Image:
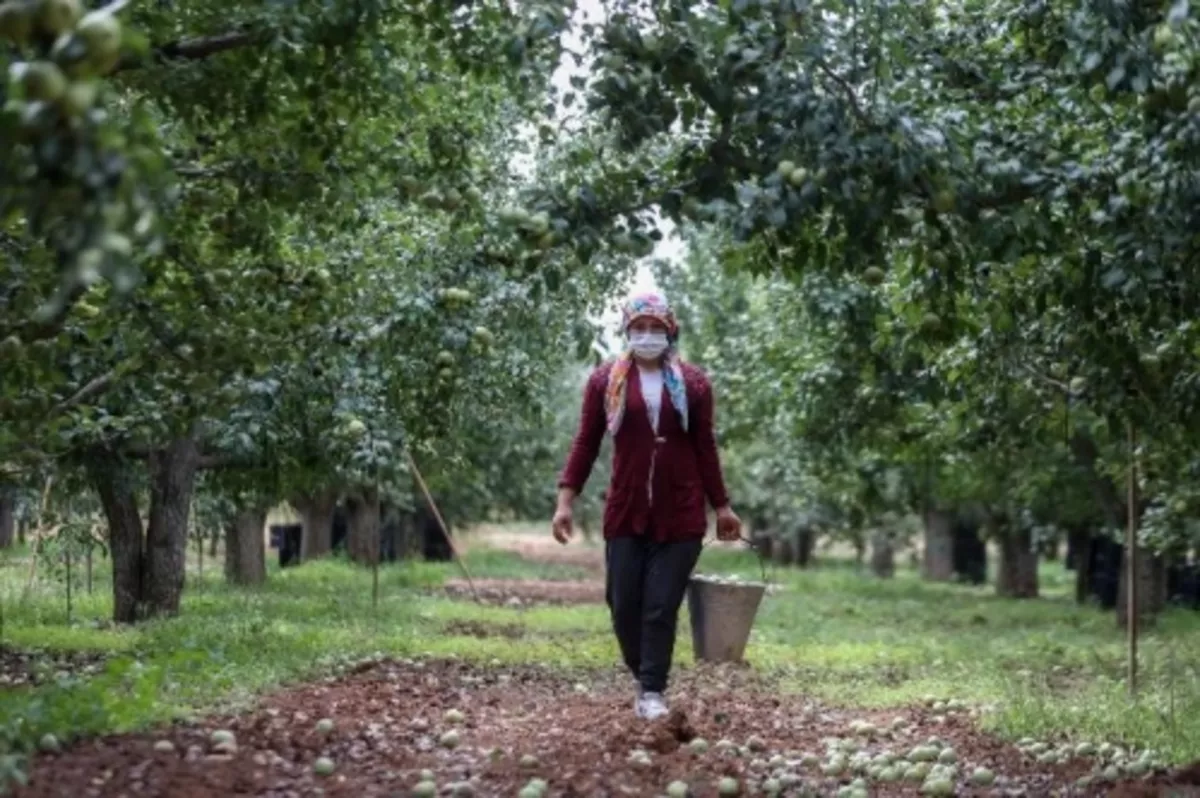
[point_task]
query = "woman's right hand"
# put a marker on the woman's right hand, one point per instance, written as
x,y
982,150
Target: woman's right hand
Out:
x,y
562,524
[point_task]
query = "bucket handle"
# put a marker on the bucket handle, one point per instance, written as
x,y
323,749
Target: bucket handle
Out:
x,y
762,560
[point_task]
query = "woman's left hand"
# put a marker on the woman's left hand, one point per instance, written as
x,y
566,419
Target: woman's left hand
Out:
x,y
729,526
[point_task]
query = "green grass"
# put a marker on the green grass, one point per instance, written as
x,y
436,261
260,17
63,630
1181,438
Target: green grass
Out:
x,y
1052,669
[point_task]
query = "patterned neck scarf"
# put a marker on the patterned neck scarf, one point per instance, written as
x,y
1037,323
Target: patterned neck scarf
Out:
x,y
646,306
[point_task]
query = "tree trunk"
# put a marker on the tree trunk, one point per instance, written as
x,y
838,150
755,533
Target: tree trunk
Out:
x,y
214,539
883,555
7,517
316,517
1081,560
1017,574
172,483
1151,596
114,482
859,541
785,549
938,562
245,551
362,526
434,546
969,552
806,541
1078,537
22,531
408,540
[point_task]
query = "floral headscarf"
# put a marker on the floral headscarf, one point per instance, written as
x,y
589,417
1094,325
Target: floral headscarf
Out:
x,y
654,306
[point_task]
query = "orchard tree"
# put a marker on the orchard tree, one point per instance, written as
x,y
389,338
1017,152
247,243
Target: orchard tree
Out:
x,y
250,268
950,172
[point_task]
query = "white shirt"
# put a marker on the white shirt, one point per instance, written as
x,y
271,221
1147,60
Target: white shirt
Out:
x,y
652,392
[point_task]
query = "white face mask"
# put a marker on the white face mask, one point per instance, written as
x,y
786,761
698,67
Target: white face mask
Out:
x,y
648,345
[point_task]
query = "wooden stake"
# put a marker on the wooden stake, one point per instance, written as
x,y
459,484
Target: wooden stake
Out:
x,y
67,557
39,531
441,523
1131,569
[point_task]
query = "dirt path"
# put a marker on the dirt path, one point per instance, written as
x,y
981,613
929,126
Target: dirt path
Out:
x,y
389,721
519,592
542,548
539,549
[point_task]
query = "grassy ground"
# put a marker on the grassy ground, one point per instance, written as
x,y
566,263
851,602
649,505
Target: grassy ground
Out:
x,y
1052,669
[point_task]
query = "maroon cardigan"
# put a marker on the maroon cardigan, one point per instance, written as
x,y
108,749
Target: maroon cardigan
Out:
x,y
686,471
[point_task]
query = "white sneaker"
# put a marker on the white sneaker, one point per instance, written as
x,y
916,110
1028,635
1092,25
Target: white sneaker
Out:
x,y
651,706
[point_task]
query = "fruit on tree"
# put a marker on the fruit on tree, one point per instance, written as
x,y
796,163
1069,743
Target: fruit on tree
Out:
x,y
16,21
101,32
1078,385
513,216
786,168
43,80
1164,36
57,16
873,275
456,296
728,786
78,99
931,323
356,428
11,347
798,176
943,201
446,358
484,336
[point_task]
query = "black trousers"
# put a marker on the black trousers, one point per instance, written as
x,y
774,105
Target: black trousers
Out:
x,y
644,587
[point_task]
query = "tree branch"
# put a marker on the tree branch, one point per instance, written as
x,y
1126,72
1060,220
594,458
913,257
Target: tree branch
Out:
x,y
90,389
196,49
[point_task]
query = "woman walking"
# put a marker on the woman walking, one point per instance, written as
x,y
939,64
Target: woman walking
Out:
x,y
659,411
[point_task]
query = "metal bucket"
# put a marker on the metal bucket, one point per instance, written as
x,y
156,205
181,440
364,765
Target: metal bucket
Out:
x,y
721,614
